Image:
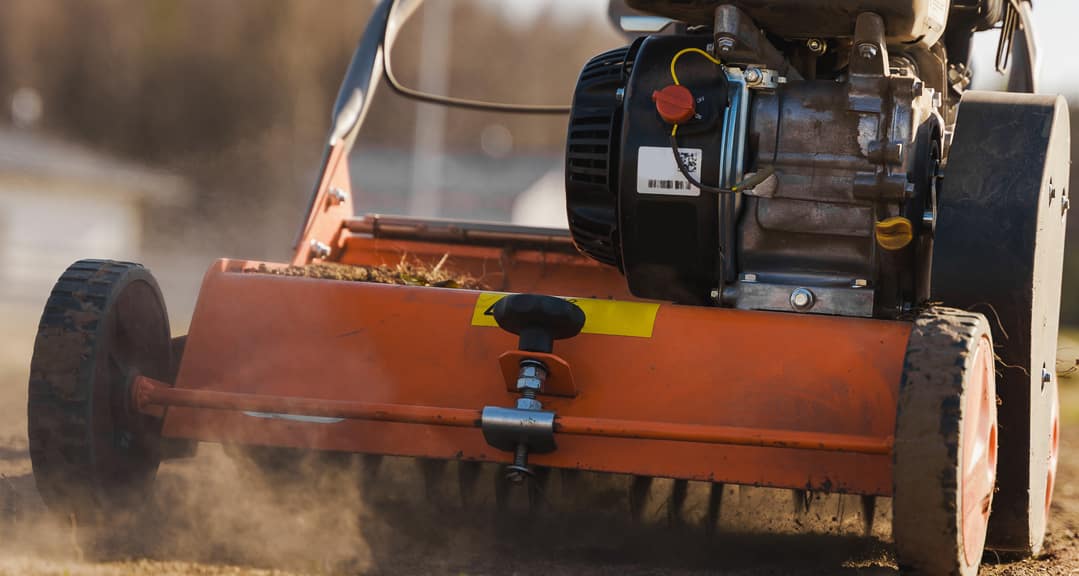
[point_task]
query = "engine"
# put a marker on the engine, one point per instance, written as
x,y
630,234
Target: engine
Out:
x,y
768,163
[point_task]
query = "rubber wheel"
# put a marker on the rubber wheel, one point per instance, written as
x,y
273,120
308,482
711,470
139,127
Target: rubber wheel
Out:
x,y
92,457
998,250
945,445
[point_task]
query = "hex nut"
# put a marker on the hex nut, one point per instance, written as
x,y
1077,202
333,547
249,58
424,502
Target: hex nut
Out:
x,y
529,404
802,299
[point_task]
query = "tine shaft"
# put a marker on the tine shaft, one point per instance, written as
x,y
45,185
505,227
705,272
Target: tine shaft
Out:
x,y
869,508
715,504
502,487
537,490
433,473
678,499
371,465
638,496
467,475
569,485
840,511
801,499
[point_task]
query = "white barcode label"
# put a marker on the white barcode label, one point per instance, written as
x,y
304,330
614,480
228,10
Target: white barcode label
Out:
x,y
658,173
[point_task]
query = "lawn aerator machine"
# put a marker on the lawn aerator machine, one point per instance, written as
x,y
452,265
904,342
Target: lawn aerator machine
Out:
x,y
801,254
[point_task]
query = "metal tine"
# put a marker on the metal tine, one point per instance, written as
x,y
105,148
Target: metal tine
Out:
x,y
840,511
715,506
371,465
801,500
869,509
638,496
467,475
537,491
569,486
434,485
677,502
502,488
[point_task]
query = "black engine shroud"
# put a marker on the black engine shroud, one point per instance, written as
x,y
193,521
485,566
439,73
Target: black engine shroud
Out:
x,y
652,224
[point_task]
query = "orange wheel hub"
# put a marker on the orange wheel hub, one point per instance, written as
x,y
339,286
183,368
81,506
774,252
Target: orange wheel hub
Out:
x,y
1054,448
979,452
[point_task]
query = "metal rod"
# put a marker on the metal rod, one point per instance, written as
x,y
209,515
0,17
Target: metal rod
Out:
x,y
480,233
149,393
645,430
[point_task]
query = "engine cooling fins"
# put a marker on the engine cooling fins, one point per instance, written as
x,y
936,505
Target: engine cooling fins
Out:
x,y
592,154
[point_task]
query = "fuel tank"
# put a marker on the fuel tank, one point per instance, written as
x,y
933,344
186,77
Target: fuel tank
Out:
x,y
905,21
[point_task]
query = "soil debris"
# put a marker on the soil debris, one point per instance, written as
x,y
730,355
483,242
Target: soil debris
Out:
x,y
404,273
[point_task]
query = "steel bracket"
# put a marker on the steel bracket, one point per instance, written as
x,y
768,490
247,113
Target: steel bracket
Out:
x,y
506,428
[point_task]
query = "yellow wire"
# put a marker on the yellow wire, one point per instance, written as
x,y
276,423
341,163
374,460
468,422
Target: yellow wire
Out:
x,y
674,76
679,54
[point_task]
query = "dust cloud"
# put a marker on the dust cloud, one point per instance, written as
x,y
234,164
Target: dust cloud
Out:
x,y
333,514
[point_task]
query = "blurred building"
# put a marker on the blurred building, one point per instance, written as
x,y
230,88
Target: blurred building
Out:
x,y
60,202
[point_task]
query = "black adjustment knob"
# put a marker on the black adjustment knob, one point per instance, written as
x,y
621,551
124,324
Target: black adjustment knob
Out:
x,y
538,320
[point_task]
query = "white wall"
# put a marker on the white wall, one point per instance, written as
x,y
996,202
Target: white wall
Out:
x,y
43,230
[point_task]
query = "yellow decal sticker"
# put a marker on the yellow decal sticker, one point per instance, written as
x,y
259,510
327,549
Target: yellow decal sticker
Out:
x,y
610,317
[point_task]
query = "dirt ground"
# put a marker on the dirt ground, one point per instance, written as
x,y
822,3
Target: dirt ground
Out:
x,y
213,515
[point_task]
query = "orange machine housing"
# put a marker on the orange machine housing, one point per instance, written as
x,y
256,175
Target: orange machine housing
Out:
x,y
755,398
759,398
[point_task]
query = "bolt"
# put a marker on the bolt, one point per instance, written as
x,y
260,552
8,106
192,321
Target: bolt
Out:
x,y
335,196
319,250
816,46
753,75
725,44
802,299
714,294
868,50
1047,376
517,471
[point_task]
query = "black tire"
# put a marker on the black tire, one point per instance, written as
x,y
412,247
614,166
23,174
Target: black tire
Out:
x,y
92,456
948,365
998,249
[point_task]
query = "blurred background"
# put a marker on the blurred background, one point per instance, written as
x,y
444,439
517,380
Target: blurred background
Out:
x,y
174,132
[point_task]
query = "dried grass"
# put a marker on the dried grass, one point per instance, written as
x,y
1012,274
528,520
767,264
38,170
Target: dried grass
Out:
x,y
404,273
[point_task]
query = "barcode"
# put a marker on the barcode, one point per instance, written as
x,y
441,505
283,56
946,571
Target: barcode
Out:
x,y
668,184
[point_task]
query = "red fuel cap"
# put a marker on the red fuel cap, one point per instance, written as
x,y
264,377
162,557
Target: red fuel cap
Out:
x,y
675,104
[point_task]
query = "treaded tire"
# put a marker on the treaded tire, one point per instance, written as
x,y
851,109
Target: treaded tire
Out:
x,y
948,370
94,458
998,249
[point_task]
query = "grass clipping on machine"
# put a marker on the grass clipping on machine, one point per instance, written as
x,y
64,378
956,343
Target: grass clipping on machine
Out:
x,y
404,273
